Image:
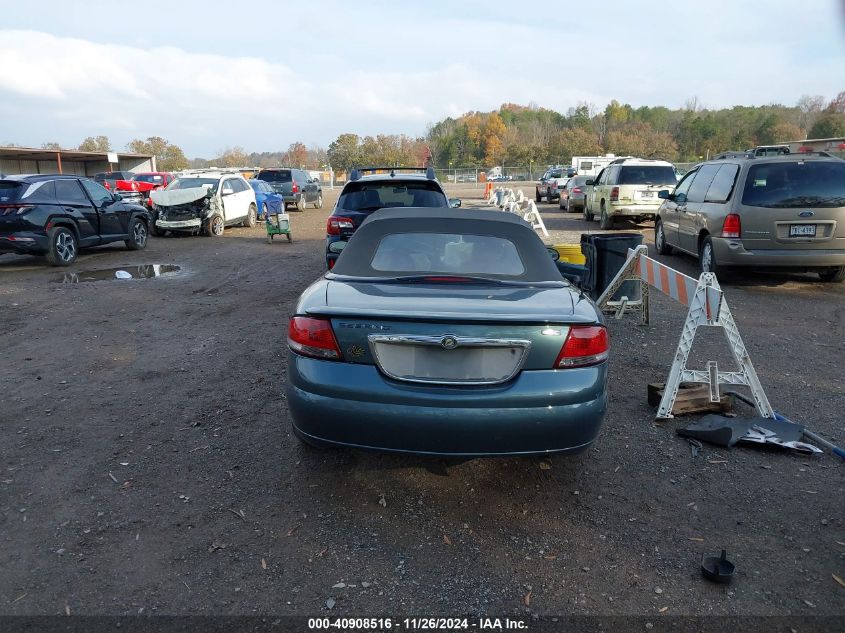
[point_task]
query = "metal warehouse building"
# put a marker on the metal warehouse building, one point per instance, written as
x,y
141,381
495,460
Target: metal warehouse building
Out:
x,y
28,160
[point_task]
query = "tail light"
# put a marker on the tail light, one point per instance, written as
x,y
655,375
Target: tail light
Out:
x,y
584,345
15,209
313,337
576,190
732,226
614,194
331,263
337,224
106,184
294,187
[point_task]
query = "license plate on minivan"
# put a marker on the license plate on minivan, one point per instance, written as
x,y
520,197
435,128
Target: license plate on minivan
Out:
x,y
802,230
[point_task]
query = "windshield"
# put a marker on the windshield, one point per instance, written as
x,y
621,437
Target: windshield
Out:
x,y
153,178
191,183
796,184
647,175
427,253
382,195
276,175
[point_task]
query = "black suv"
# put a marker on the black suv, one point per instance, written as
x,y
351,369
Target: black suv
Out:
x,y
295,186
57,215
368,190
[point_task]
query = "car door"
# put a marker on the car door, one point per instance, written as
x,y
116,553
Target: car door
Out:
x,y
230,201
669,211
689,216
71,196
246,197
592,207
113,213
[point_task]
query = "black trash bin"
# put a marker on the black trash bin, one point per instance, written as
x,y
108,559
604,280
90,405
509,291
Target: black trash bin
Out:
x,y
606,254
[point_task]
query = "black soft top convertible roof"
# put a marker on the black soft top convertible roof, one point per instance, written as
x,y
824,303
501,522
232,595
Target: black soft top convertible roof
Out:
x,y
355,260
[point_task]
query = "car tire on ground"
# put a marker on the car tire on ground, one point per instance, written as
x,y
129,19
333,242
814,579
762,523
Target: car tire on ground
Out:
x,y
706,259
560,204
537,196
157,231
605,221
660,239
249,221
588,217
300,204
215,226
835,275
138,235
319,203
63,246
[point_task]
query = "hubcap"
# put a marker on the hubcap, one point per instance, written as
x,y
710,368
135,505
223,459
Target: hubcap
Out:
x,y
65,246
707,259
659,238
217,226
139,233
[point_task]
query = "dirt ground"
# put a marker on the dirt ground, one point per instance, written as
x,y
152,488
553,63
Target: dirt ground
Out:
x,y
148,464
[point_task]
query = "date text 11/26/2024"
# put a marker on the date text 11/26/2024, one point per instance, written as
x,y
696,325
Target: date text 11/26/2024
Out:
x,y
416,624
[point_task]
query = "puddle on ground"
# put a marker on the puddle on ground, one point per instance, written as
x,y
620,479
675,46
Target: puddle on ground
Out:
x,y
145,271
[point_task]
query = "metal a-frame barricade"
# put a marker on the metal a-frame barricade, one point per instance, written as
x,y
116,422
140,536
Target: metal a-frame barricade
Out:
x,y
707,307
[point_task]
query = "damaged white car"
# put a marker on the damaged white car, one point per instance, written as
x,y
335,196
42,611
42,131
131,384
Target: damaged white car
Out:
x,y
205,202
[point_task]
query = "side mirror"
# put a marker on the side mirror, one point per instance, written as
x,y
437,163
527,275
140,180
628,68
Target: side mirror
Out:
x,y
590,183
228,191
454,202
664,194
553,253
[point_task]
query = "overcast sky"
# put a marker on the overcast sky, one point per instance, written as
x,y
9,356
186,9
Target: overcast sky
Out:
x,y
261,75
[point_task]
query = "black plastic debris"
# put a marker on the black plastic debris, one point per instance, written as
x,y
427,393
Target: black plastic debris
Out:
x,y
717,568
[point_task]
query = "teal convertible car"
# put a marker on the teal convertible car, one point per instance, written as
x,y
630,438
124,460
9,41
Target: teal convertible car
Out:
x,y
447,332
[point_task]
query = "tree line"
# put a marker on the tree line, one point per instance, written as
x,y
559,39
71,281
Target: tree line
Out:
x,y
521,135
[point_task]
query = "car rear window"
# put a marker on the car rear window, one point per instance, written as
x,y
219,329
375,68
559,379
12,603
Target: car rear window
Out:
x,y
35,192
647,175
794,184
362,196
427,253
275,175
153,178
578,181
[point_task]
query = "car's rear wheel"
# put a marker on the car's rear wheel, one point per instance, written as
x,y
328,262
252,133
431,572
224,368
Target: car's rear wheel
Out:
x,y
250,220
660,239
588,217
707,259
835,275
300,204
319,203
215,226
137,235
63,246
537,196
605,221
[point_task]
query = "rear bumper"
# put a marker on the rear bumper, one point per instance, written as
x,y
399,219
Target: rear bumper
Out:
x,y
732,252
354,405
24,243
633,210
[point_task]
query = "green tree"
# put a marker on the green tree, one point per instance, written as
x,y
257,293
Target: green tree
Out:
x,y
51,145
828,125
95,144
169,157
344,152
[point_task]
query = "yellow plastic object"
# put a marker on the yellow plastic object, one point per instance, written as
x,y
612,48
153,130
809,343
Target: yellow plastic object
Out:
x,y
570,253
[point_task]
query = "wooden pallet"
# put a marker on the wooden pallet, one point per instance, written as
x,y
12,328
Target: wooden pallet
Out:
x,y
692,398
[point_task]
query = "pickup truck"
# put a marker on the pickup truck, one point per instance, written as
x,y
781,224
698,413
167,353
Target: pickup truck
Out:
x,y
138,187
551,184
55,216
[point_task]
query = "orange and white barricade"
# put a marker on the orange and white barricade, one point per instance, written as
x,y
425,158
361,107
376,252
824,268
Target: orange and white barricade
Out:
x,y
707,307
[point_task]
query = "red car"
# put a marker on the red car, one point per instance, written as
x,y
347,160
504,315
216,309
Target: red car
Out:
x,y
138,188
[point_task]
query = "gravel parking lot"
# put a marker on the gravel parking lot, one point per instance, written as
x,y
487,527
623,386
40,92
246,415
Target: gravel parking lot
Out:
x,y
148,464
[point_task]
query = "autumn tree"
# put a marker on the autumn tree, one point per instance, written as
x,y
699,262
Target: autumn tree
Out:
x,y
169,157
297,154
828,125
233,157
95,144
344,153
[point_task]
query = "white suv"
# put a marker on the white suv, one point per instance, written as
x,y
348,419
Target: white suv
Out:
x,y
628,187
204,202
